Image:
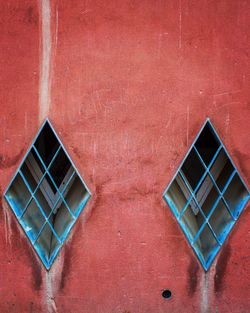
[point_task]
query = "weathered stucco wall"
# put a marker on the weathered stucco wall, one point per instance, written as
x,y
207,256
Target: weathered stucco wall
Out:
x,y
127,85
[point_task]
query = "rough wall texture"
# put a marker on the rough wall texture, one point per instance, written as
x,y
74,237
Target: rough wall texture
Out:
x,y
127,85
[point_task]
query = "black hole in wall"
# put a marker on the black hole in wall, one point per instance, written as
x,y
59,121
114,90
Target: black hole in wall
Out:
x,y
166,294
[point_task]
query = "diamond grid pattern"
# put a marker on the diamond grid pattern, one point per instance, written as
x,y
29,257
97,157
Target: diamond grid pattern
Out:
x,y
207,195
47,194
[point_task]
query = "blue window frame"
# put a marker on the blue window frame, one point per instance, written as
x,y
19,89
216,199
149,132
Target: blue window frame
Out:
x,y
47,194
207,195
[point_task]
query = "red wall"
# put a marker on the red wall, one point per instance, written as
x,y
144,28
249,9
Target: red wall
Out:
x,y
130,84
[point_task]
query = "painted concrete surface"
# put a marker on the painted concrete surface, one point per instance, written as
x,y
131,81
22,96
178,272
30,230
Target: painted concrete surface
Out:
x,y
127,86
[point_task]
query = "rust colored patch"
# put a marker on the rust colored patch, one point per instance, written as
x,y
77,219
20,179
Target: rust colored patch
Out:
x,y
27,250
68,247
193,270
77,152
147,161
221,267
6,162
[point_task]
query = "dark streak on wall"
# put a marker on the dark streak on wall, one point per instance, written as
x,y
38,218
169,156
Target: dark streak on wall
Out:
x,y
30,253
193,271
31,16
66,265
221,267
68,252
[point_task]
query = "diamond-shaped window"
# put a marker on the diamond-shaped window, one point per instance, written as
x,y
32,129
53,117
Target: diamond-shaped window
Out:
x,y
47,194
207,195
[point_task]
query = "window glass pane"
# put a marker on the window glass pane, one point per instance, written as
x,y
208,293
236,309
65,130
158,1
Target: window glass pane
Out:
x,y
236,196
47,144
46,196
207,144
207,195
61,220
18,194
193,169
32,220
29,177
222,169
221,221
206,245
43,243
178,194
75,194
60,168
192,222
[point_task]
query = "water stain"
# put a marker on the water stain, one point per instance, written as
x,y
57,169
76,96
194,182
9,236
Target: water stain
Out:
x,y
31,16
7,162
68,252
193,270
97,201
27,250
221,267
36,272
66,265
